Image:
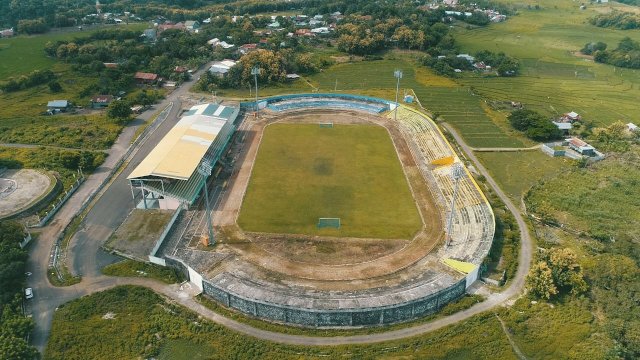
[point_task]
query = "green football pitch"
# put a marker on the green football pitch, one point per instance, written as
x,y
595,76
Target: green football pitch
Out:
x,y
304,172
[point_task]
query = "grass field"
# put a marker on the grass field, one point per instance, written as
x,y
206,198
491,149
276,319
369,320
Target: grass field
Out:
x,y
304,172
516,172
22,54
139,324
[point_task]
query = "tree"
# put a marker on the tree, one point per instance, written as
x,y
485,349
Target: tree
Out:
x,y
540,281
54,86
533,125
119,111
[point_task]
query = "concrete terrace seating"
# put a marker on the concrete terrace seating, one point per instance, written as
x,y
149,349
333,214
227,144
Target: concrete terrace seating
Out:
x,y
293,104
421,131
473,223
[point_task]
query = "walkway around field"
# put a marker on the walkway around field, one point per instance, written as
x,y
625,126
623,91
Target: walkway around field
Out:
x,y
490,149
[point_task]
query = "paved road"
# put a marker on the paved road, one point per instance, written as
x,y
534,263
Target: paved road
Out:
x,y
85,256
490,149
109,210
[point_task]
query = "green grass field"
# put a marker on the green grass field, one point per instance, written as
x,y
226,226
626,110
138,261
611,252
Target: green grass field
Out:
x,y
516,172
304,172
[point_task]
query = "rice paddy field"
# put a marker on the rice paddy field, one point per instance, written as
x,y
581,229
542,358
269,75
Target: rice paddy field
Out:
x,y
555,78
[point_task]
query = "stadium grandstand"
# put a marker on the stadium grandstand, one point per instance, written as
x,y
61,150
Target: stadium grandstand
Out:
x,y
168,177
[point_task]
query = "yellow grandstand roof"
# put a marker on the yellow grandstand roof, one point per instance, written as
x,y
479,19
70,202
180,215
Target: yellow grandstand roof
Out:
x,y
178,154
462,266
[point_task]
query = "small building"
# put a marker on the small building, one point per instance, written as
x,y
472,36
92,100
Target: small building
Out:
x,y
101,101
247,48
467,57
572,116
565,127
7,33
292,77
180,69
632,127
192,25
143,78
58,105
274,25
171,26
150,34
581,147
321,30
221,68
111,65
304,32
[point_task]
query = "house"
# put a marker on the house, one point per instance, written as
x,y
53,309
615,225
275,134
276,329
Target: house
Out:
x,y
171,26
54,106
150,34
111,65
7,33
247,48
304,32
221,68
480,65
316,23
563,126
320,30
292,77
180,69
101,101
274,25
581,147
632,127
192,25
263,44
143,78
467,57
572,116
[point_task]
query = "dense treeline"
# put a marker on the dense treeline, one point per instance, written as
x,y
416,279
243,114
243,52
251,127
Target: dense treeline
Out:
x,y
534,125
446,62
14,326
616,20
88,56
626,55
35,78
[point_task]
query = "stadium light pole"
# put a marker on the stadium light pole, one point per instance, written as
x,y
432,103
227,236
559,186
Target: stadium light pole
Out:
x,y
205,170
456,174
398,75
255,71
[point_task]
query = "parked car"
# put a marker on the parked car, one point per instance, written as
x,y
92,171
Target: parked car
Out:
x,y
28,293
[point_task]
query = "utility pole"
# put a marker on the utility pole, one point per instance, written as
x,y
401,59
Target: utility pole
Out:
x,y
205,170
255,71
456,174
398,75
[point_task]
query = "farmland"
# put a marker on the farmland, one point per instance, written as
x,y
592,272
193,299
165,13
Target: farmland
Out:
x,y
348,171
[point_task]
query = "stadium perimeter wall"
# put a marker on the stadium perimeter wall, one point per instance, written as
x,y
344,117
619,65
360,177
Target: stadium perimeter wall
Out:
x,y
338,317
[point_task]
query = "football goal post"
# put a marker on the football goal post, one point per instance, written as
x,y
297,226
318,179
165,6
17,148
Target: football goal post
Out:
x,y
326,124
328,223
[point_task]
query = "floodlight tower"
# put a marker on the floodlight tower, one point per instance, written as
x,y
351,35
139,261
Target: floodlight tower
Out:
x,y
255,71
456,174
205,170
398,75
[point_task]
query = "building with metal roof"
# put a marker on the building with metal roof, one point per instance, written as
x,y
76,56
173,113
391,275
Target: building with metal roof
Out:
x,y
169,174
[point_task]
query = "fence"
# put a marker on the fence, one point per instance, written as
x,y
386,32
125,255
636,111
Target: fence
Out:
x,y
43,221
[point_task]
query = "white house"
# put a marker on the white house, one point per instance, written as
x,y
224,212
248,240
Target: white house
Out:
x,y
632,127
221,68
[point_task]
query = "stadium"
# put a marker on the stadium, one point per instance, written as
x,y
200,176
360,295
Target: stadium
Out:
x,y
328,210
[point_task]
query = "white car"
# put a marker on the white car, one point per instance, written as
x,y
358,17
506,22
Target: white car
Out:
x,y
28,293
